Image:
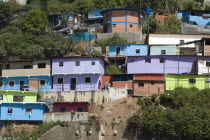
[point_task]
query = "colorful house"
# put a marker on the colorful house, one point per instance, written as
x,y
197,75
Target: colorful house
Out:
x,y
187,81
93,14
128,50
148,84
7,96
202,67
162,64
70,107
22,111
16,75
120,20
195,17
163,50
77,73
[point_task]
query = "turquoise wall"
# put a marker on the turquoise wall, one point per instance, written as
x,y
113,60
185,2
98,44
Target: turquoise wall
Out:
x,y
156,49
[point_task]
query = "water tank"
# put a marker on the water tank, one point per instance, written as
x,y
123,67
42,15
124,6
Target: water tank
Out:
x,y
148,11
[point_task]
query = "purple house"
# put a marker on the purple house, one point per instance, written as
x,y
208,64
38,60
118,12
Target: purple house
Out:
x,y
162,64
77,73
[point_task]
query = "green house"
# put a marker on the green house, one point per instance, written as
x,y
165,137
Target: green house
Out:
x,y
9,96
187,81
163,50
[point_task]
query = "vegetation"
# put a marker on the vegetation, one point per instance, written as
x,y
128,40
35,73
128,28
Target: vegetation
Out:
x,y
183,114
115,39
112,69
35,134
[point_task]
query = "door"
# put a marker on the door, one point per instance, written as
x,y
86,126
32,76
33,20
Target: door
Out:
x,y
73,83
22,85
118,51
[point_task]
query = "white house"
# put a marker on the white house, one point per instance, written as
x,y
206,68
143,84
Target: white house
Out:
x,y
202,67
174,39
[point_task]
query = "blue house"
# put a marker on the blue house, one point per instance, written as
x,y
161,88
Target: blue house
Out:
x,y
82,36
93,14
195,17
22,111
27,75
128,50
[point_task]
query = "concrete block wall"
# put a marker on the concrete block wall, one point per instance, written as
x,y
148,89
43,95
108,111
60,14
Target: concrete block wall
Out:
x,y
96,97
68,116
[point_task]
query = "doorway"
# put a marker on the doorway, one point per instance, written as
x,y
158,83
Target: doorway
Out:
x,y
73,84
22,85
118,51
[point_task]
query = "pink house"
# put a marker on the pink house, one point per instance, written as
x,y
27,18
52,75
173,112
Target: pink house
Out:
x,y
70,107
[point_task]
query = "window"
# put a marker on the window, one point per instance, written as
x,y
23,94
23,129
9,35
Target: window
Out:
x,y
18,98
192,13
77,63
162,60
60,80
62,109
28,109
131,25
93,63
7,66
163,52
113,25
152,82
181,41
1,97
192,81
107,15
147,60
141,84
60,64
11,83
42,82
132,60
41,65
87,80
1,84
27,67
207,64
80,109
9,110
137,50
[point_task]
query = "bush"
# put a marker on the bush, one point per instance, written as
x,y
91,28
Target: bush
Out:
x,y
153,97
141,103
147,101
112,69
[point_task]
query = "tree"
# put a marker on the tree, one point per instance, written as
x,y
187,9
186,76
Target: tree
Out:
x,y
5,15
112,69
34,22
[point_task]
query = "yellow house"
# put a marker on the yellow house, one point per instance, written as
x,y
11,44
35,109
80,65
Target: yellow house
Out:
x,y
187,81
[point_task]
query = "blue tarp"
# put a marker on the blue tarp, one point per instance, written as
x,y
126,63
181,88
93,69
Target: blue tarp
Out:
x,y
82,36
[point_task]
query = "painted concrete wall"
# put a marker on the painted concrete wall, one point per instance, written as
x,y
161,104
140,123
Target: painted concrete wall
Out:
x,y
42,88
17,69
8,96
200,20
129,50
172,65
202,68
70,107
173,39
169,49
80,82
173,81
19,111
97,97
85,66
70,116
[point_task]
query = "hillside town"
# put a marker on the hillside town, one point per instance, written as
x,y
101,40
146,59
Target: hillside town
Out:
x,y
92,73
